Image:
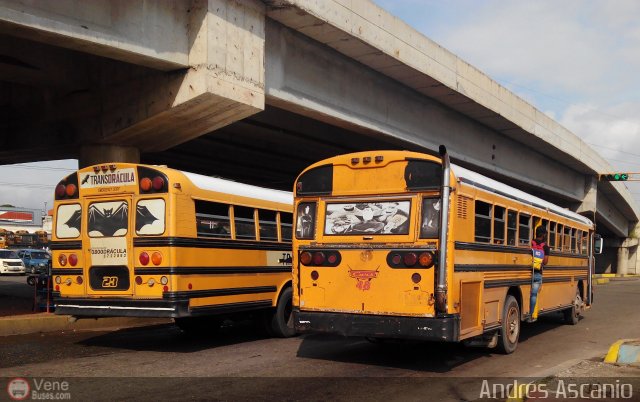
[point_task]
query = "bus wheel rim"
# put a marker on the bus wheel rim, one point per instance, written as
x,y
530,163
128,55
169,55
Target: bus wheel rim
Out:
x,y
513,325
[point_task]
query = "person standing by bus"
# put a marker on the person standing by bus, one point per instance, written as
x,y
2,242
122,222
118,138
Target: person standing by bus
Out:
x,y
540,251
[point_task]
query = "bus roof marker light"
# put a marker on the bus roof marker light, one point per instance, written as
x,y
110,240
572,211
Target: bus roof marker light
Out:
x,y
145,184
104,168
112,167
61,190
366,159
71,190
158,183
355,161
96,169
379,158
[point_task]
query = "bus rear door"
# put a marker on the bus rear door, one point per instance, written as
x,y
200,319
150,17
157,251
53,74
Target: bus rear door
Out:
x,y
107,246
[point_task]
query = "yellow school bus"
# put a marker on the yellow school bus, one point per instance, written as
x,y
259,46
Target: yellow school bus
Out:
x,y
396,244
149,241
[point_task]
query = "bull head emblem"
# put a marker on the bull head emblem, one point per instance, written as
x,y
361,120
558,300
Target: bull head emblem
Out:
x,y
363,277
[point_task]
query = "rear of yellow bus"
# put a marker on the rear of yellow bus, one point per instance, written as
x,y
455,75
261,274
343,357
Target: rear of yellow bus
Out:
x,y
366,247
97,213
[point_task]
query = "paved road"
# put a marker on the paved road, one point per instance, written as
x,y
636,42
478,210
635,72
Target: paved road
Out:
x,y
242,363
16,296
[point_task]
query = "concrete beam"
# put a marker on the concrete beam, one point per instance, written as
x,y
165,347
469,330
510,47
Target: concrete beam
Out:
x,y
100,153
611,218
224,84
148,33
360,99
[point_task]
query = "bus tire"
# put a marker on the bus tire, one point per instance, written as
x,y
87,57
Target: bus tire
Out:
x,y
572,314
281,323
510,329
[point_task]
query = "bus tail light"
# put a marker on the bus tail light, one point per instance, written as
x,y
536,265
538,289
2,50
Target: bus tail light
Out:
x,y
164,280
73,260
58,280
138,280
318,258
416,278
61,190
305,258
165,288
426,259
410,259
144,258
57,288
156,258
151,282
315,275
62,260
79,280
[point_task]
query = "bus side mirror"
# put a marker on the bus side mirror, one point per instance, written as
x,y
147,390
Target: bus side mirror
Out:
x,y
598,244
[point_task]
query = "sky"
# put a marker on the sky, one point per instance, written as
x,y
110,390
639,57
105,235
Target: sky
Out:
x,y
576,60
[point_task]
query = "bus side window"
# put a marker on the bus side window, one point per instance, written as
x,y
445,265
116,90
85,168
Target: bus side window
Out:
x,y
574,243
552,236
559,238
483,222
584,241
498,225
286,226
566,243
212,219
268,227
524,238
245,222
512,227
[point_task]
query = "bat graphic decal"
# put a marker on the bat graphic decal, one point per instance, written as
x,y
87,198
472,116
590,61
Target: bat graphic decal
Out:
x,y
86,179
75,220
108,222
143,217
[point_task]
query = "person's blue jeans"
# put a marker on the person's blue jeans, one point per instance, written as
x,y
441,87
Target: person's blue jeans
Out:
x,y
535,288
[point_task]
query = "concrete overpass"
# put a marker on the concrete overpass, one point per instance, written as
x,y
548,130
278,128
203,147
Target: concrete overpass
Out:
x,y
228,87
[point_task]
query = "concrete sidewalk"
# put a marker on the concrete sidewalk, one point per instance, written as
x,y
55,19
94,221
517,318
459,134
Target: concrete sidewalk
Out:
x,y
601,279
48,322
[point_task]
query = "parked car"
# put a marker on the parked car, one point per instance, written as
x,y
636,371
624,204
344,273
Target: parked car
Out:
x,y
35,261
10,263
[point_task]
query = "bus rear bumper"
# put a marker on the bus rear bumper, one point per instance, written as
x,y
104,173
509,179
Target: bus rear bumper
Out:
x,y
445,329
113,307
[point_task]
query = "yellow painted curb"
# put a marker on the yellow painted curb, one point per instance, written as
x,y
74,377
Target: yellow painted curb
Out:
x,y
612,354
601,281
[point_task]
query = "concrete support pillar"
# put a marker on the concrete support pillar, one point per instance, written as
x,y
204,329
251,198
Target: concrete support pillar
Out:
x,y
97,154
623,257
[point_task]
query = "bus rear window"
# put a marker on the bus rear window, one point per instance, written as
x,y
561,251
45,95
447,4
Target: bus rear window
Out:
x,y
389,217
68,221
108,219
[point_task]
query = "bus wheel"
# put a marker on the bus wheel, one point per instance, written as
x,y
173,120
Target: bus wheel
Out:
x,y
510,330
281,322
193,325
572,315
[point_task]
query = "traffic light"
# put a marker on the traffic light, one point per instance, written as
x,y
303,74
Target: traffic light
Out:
x,y
615,177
